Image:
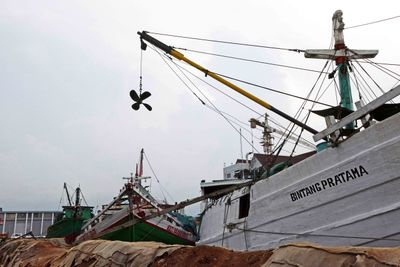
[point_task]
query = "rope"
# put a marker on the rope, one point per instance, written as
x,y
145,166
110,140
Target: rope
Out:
x,y
248,60
158,181
372,22
219,112
222,92
318,235
229,42
383,69
141,71
272,90
226,210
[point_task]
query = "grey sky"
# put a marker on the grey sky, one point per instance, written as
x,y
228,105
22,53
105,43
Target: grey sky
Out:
x,y
67,68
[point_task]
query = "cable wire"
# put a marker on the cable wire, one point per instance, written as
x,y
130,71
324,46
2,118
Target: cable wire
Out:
x,y
229,42
158,181
372,22
247,60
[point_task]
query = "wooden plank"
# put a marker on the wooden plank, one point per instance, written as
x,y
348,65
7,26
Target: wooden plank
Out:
x,y
332,54
359,113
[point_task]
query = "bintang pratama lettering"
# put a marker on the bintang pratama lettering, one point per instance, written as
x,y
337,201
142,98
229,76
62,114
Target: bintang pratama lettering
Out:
x,y
324,184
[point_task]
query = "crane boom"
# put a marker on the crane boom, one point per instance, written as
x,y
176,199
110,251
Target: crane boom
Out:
x,y
68,197
171,51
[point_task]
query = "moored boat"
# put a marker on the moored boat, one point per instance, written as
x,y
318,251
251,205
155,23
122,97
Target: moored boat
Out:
x,y
68,224
125,218
346,194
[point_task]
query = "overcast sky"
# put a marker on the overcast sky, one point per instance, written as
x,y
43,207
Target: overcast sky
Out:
x,y
66,69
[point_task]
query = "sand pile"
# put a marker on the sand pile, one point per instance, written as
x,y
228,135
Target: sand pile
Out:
x,y
54,252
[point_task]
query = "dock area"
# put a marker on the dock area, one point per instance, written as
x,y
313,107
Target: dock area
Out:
x,y
55,252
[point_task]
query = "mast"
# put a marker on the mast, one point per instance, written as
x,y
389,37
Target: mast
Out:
x,y
169,50
141,163
342,55
342,62
77,197
68,197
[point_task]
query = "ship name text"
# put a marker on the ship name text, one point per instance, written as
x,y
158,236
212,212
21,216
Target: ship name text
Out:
x,y
338,179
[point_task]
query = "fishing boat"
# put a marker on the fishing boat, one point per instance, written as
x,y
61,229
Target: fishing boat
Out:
x,y
345,194
124,218
68,224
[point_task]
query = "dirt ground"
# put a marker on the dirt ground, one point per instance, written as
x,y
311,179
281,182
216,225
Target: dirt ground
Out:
x,y
102,253
202,256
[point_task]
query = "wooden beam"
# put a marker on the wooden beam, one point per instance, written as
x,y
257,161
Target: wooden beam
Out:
x,y
359,113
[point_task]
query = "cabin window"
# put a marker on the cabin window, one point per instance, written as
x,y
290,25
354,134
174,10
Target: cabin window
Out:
x,y
228,175
244,206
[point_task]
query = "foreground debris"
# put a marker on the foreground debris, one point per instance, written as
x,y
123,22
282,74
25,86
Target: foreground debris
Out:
x,y
55,252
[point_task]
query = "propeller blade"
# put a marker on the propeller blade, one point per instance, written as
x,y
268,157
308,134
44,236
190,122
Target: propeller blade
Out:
x,y
145,95
134,96
136,106
149,108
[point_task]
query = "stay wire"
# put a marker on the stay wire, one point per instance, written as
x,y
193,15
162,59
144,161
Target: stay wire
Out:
x,y
247,106
356,83
382,91
365,88
84,199
219,90
316,235
384,69
270,89
297,115
229,42
219,112
247,60
381,63
158,181
260,115
372,22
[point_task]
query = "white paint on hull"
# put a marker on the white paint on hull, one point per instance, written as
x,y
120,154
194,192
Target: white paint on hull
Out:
x,y
360,211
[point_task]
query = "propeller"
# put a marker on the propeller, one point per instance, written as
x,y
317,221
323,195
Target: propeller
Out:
x,y
139,99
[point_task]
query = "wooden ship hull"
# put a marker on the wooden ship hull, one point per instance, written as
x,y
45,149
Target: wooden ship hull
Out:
x,y
344,195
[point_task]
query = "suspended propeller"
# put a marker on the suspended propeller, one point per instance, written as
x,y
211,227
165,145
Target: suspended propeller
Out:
x,y
139,99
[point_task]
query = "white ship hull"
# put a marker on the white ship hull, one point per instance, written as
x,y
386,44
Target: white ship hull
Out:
x,y
346,195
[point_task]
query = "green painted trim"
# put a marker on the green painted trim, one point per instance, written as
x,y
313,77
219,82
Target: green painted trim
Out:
x,y
145,232
345,90
64,227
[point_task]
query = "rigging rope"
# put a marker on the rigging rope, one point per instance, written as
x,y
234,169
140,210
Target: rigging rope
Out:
x,y
229,42
318,235
247,60
383,69
372,22
158,181
272,90
209,101
252,145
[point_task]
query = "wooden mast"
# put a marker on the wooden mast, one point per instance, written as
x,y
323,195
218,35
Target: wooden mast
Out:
x,y
342,55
